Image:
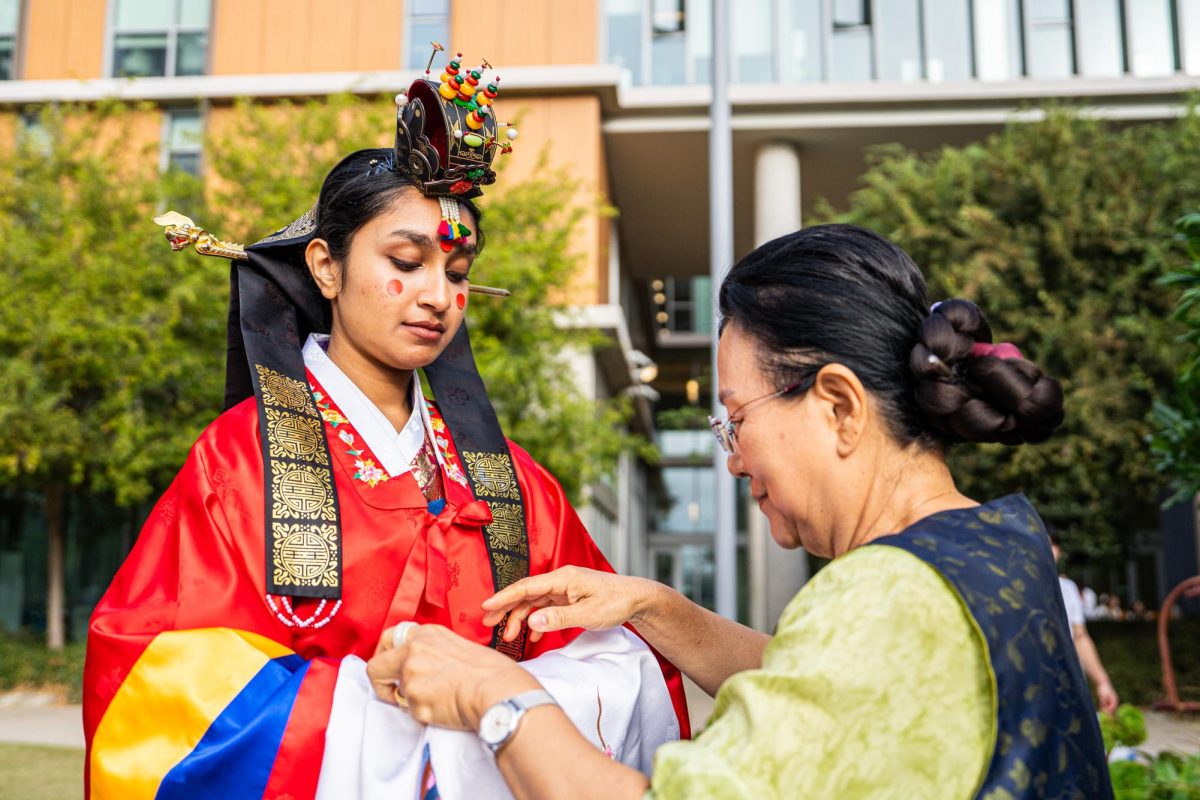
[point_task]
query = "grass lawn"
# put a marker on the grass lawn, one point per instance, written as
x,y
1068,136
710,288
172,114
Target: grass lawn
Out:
x,y
34,772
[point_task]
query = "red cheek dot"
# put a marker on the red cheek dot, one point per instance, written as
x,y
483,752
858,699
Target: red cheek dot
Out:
x,y
395,287
461,300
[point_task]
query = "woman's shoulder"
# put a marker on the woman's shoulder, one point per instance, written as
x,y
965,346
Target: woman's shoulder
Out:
x,y
233,431
880,591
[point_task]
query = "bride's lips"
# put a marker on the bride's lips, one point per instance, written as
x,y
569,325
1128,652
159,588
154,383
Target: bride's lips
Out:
x,y
426,329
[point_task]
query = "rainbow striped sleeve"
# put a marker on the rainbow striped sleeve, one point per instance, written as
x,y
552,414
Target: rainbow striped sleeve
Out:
x,y
213,712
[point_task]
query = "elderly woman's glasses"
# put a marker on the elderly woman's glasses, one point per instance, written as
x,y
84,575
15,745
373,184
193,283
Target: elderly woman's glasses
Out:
x,y
726,429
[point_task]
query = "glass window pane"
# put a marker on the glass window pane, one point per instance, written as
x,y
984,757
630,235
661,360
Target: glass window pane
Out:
x,y
852,54
752,46
6,59
667,16
194,13
625,36
690,493
702,304
186,130
1189,33
191,52
949,42
1152,50
140,55
1048,10
699,39
899,24
141,14
851,12
420,34
9,11
432,7
801,25
997,40
668,59
1099,37
1049,51
185,162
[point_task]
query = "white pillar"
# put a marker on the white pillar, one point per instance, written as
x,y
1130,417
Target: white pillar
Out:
x,y
776,191
775,574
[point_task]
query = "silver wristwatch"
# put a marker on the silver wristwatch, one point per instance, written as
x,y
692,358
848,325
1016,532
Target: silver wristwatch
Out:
x,y
500,722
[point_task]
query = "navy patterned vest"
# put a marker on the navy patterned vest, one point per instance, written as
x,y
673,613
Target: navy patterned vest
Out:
x,y
997,557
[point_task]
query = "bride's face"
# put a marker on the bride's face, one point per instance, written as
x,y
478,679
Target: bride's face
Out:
x,y
398,298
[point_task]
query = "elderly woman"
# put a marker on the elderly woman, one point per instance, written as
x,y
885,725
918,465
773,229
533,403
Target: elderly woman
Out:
x,y
930,659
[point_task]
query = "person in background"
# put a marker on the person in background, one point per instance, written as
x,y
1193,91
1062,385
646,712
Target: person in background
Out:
x,y
1089,658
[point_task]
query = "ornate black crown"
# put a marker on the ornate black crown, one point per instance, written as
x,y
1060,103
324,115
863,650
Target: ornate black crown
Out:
x,y
447,132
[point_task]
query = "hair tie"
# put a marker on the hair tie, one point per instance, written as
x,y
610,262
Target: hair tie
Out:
x,y
934,307
1006,350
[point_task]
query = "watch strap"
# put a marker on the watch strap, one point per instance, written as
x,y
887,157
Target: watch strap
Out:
x,y
531,699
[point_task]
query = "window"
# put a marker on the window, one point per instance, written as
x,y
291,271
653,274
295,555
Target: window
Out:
x,y
183,137
1049,52
948,40
668,42
998,40
428,21
800,42
853,59
683,305
1189,33
160,38
1151,37
1099,38
9,15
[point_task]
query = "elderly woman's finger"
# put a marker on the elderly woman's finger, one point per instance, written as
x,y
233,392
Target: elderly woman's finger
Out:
x,y
548,583
384,671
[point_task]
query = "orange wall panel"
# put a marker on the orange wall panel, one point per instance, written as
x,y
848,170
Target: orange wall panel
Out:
x,y
525,32
64,39
281,36
567,130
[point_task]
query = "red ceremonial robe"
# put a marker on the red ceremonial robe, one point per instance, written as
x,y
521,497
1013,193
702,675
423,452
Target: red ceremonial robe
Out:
x,y
194,686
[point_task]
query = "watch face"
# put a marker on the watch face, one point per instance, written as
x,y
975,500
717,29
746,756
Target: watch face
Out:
x,y
496,724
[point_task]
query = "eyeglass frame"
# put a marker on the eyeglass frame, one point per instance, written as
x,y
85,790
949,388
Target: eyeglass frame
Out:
x,y
725,428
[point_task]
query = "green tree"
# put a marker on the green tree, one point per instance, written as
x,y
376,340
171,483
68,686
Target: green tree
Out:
x,y
1060,230
1176,444
111,357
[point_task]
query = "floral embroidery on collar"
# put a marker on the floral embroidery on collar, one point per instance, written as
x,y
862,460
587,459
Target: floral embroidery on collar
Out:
x,y
442,439
368,473
365,468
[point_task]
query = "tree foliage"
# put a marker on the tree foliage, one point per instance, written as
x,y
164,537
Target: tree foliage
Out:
x,y
1060,230
1176,443
112,346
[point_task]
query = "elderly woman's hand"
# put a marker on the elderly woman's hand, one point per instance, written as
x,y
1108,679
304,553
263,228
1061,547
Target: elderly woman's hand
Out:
x,y
445,679
570,597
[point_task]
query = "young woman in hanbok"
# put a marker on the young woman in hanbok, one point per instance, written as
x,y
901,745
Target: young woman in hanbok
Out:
x,y
930,659
331,501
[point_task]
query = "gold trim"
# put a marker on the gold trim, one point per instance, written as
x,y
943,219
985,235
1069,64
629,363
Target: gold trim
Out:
x,y
507,529
304,555
493,474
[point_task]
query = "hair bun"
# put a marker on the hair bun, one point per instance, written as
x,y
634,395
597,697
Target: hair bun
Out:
x,y
979,398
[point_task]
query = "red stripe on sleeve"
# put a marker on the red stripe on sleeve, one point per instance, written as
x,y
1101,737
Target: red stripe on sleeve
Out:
x,y
297,766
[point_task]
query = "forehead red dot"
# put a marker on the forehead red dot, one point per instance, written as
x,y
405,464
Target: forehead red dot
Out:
x,y
461,300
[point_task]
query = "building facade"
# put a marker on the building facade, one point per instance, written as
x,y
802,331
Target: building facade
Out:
x,y
615,91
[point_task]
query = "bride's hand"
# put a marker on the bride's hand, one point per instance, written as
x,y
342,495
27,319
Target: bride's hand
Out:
x,y
570,597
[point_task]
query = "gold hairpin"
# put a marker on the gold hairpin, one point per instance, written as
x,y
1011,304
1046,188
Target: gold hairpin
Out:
x,y
182,232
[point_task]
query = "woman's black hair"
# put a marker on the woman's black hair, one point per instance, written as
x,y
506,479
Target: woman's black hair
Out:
x,y
361,187
844,294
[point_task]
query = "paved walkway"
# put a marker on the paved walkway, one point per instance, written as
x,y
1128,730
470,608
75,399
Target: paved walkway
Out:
x,y
30,719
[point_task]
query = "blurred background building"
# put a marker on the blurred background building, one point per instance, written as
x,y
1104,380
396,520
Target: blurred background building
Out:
x,y
616,91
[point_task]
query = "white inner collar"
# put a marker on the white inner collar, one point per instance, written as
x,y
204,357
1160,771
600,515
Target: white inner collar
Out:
x,y
395,451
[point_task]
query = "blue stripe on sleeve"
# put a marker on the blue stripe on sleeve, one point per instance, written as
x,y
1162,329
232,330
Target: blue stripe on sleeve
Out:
x,y
234,757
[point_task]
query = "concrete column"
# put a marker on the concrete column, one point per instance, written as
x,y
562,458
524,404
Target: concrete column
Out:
x,y
776,191
775,574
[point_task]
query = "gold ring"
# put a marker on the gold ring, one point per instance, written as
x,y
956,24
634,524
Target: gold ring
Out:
x,y
400,699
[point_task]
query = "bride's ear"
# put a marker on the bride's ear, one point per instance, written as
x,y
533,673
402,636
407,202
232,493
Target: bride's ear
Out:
x,y
325,271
